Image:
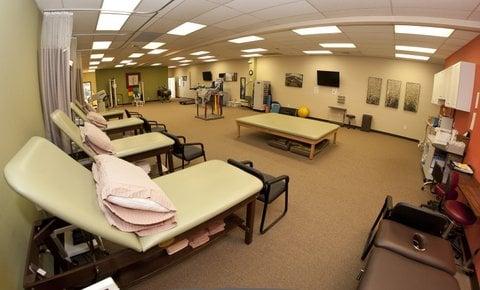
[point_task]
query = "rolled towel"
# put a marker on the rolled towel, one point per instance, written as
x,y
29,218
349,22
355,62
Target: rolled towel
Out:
x,y
177,247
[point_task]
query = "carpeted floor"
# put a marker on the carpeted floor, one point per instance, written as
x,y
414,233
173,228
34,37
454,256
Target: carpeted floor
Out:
x,y
333,201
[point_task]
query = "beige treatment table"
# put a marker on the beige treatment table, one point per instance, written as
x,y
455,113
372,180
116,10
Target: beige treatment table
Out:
x,y
300,129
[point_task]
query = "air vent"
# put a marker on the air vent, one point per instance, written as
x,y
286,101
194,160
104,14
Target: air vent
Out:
x,y
147,36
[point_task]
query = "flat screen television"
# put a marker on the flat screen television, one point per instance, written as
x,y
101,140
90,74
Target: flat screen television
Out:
x,y
207,76
328,78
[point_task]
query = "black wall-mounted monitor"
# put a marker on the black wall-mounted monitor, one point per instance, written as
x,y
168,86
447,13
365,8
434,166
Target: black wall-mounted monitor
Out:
x,y
328,78
207,76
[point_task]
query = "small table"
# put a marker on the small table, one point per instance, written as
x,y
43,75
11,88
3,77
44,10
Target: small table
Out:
x,y
343,110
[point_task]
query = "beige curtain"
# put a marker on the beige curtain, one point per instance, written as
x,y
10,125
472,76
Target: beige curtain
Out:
x,y
55,77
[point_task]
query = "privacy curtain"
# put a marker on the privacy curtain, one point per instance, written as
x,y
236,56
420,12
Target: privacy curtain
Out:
x,y
55,77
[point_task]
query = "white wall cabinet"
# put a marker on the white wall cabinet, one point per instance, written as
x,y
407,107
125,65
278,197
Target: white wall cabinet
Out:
x,y
454,86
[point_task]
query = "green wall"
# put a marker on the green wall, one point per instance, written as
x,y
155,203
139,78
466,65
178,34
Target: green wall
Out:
x,y
21,118
153,78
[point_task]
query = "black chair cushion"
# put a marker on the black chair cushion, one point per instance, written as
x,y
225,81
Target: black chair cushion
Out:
x,y
275,190
190,152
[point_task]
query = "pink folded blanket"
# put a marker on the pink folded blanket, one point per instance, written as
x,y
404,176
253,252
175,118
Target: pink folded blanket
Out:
x,y
97,119
177,247
215,227
198,239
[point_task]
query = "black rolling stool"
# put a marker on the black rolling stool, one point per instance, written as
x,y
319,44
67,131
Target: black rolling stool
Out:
x,y
350,118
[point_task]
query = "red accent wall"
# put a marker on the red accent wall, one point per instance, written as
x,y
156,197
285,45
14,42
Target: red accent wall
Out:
x,y
469,53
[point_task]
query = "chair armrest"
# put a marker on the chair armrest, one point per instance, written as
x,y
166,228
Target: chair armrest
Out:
x,y
156,124
183,138
278,179
137,114
247,162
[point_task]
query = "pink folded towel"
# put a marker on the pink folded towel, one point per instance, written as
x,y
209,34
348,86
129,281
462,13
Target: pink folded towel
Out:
x,y
96,139
177,247
97,120
216,227
198,239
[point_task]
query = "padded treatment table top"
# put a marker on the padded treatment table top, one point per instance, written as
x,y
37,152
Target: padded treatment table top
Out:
x,y
48,177
123,147
387,270
111,125
111,113
305,128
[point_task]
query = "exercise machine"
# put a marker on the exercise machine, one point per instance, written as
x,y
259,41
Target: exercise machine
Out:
x,y
112,90
139,95
213,97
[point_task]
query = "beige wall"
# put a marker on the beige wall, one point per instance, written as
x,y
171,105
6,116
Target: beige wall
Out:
x,y
354,73
90,77
195,73
21,118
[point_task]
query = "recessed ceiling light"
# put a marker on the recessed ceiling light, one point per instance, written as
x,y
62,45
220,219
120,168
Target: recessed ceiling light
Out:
x,y
93,67
111,22
423,30
91,70
317,30
178,58
136,55
131,63
251,55
201,52
157,51
172,66
94,63
186,28
415,49
156,64
185,61
119,65
317,52
125,61
245,39
206,57
183,64
250,50
153,45
107,59
120,5
412,56
211,60
96,56
337,45
101,44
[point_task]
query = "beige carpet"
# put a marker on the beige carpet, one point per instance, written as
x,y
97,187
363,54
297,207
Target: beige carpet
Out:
x,y
333,201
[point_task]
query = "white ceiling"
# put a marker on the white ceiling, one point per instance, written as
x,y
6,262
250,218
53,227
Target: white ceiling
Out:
x,y
367,23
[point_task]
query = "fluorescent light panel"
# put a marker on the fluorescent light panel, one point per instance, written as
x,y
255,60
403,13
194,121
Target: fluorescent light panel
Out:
x,y
423,30
251,50
245,39
412,56
96,56
91,70
184,64
156,64
185,61
119,65
153,45
125,61
337,45
93,67
251,55
201,52
157,51
136,55
415,49
317,30
317,52
206,57
101,44
186,28
172,66
211,60
111,22
107,59
131,63
94,63
178,58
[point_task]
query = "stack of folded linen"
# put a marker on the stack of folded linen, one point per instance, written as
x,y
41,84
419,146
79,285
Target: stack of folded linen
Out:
x,y
96,139
97,120
198,239
216,227
89,107
177,246
129,199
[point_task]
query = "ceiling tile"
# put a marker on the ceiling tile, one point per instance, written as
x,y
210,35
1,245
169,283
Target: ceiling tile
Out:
x,y
84,22
150,5
49,4
291,9
216,15
462,34
163,25
329,5
432,12
94,4
248,6
238,22
134,22
357,12
297,18
468,5
190,9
